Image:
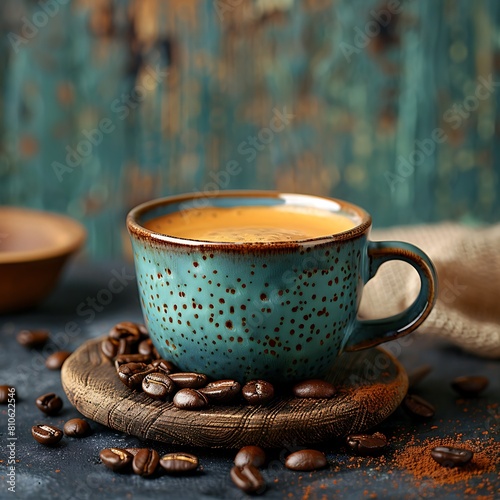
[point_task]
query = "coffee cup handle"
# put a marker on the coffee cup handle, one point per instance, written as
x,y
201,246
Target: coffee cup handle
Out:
x,y
368,333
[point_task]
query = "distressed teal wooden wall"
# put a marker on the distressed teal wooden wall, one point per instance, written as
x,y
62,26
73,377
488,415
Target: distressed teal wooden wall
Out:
x,y
153,97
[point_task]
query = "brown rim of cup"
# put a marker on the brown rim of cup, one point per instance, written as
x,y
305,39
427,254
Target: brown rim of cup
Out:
x,y
139,231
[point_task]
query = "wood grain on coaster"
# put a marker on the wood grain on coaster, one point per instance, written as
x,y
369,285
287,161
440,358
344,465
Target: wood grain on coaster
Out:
x,y
371,385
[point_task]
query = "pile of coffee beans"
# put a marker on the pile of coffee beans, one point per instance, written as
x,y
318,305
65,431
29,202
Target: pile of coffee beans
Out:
x,y
147,462
140,368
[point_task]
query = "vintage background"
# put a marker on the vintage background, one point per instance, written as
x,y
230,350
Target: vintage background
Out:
x,y
107,103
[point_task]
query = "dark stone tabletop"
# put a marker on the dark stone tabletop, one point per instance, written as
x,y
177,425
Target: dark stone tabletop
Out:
x,y
85,306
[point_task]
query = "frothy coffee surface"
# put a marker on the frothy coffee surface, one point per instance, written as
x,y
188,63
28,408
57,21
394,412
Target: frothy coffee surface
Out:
x,y
250,224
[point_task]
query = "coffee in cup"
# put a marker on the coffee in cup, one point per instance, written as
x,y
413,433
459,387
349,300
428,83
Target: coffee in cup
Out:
x,y
257,284
257,224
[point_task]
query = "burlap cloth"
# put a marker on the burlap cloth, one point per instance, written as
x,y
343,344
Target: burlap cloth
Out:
x,y
467,311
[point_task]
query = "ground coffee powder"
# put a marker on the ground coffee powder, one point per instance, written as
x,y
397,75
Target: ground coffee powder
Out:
x,y
415,458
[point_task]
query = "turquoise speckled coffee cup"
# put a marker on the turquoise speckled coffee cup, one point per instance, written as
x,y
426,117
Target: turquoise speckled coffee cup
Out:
x,y
278,311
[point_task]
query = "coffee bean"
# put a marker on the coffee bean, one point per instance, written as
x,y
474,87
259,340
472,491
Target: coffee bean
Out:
x,y
158,385
125,346
221,391
367,444
56,360
305,460
109,348
248,479
123,359
451,457
190,399
46,434
165,366
145,462
189,380
133,451
147,347
112,348
470,386
132,374
254,455
6,393
418,407
126,330
418,375
76,427
116,459
33,339
316,389
179,463
143,331
258,392
49,403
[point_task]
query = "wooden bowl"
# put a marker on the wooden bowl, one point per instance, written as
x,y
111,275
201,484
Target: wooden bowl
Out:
x,y
34,246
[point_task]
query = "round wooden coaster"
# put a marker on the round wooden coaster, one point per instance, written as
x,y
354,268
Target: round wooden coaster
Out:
x,y
371,385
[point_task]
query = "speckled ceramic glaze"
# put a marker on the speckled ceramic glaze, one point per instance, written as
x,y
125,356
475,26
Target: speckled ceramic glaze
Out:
x,y
277,311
